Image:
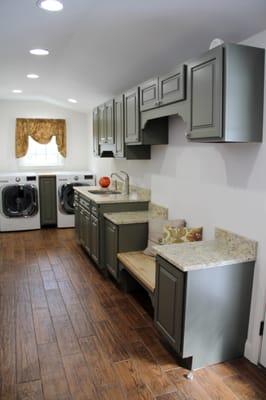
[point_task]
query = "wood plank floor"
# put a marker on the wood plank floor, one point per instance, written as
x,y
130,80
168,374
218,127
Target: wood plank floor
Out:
x,y
68,333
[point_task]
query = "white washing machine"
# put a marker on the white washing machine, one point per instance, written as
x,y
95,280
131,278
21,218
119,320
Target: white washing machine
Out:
x,y
65,182
19,202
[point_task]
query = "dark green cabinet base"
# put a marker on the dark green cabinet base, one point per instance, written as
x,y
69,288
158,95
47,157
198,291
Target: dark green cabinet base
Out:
x,y
48,201
121,239
204,314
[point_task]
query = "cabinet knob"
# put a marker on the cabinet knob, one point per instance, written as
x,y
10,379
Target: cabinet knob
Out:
x,y
188,135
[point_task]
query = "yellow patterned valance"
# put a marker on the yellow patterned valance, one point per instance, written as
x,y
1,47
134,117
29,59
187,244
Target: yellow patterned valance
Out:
x,y
41,130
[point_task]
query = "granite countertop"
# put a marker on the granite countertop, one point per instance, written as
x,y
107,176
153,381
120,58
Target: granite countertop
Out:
x,y
128,217
133,197
227,248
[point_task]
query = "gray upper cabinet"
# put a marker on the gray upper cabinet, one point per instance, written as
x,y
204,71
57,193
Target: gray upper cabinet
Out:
x,y
119,126
149,94
95,132
172,86
132,117
205,90
102,124
109,120
225,95
164,90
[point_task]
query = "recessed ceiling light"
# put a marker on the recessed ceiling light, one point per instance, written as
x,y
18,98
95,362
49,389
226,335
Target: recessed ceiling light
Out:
x,y
39,52
32,76
50,5
17,91
72,100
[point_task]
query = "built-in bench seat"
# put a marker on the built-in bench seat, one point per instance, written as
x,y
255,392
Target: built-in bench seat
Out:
x,y
140,267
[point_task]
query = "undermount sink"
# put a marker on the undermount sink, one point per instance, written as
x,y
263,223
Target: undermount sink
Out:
x,y
104,191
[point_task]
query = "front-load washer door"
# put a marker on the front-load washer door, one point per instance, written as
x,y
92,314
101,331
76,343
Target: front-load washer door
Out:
x,y
19,201
66,197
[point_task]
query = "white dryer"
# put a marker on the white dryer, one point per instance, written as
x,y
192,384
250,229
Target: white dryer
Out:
x,y
65,182
19,202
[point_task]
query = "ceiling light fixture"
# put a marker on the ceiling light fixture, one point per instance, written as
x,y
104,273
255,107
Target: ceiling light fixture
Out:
x,y
50,5
32,76
17,91
39,52
72,100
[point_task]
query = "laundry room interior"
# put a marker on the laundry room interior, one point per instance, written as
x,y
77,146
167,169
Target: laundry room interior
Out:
x,y
132,200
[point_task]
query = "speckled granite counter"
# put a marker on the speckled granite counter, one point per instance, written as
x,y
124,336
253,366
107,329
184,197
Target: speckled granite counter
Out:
x,y
133,197
137,217
227,248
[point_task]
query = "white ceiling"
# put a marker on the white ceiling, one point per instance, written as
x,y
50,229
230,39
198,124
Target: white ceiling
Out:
x,y
101,47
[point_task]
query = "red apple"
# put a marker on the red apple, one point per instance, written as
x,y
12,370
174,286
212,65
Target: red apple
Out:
x,y
104,181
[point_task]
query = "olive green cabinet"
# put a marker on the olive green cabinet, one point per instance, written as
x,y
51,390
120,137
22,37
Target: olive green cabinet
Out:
x,y
119,126
132,116
169,302
172,86
102,124
111,247
94,243
225,95
205,91
96,148
109,120
204,313
122,238
48,200
164,90
149,94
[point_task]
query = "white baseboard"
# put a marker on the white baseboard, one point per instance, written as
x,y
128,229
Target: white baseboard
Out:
x,y
252,351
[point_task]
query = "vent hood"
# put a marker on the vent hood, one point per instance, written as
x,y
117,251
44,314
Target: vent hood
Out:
x,y
107,150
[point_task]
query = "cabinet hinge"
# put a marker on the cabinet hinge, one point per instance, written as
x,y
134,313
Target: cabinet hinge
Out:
x,y
261,328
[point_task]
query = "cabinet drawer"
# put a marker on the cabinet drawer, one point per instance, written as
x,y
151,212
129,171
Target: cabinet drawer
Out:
x,y
172,86
85,204
149,94
94,209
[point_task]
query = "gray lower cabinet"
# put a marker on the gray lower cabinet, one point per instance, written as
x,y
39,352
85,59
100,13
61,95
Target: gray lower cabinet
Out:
x,y
169,302
90,226
48,200
94,238
120,239
204,314
225,95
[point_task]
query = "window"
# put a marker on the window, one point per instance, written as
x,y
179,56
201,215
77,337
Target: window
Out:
x,y
42,155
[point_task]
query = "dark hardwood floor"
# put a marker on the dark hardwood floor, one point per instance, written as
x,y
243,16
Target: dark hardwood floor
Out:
x,y
68,333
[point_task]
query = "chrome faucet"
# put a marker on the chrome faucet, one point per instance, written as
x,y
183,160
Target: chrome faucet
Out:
x,y
124,179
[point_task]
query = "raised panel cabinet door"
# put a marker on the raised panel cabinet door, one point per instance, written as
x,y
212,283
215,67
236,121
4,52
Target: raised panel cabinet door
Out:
x,y
77,221
87,231
111,248
169,302
119,126
94,241
102,124
109,118
95,116
149,94
172,86
132,117
205,95
48,200
82,229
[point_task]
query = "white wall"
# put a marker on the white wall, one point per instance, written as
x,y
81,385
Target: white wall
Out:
x,y
212,185
77,133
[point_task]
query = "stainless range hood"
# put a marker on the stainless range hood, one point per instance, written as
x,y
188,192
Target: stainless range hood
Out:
x,y
107,150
